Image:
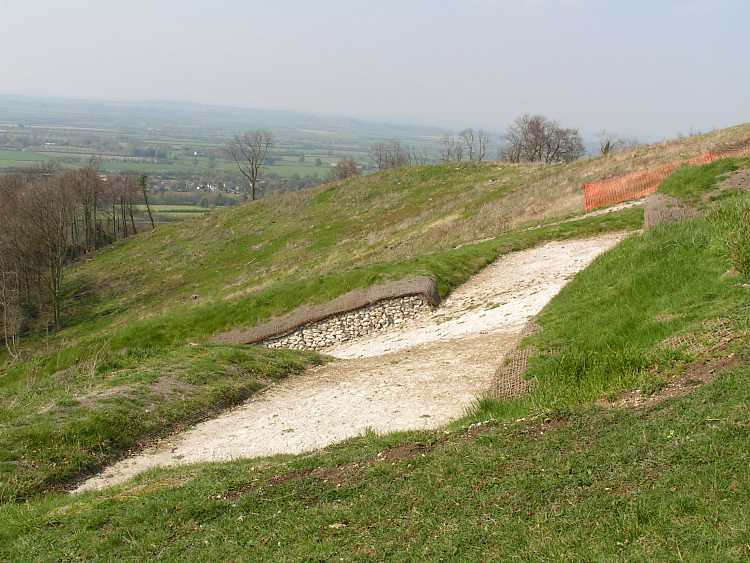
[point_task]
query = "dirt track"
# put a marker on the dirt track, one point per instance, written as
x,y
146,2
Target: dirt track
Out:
x,y
416,376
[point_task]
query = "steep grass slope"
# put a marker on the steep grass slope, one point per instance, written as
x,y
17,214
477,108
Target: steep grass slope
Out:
x,y
550,476
150,303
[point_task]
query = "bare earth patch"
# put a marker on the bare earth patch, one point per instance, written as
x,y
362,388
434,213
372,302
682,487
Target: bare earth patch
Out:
x,y
417,376
697,374
714,359
662,208
737,180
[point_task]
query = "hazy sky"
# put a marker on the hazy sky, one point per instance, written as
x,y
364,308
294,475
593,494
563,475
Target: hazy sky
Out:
x,y
648,68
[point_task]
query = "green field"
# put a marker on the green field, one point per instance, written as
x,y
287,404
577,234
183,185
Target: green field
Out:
x,y
86,126
10,159
177,132
171,210
164,213
167,208
286,167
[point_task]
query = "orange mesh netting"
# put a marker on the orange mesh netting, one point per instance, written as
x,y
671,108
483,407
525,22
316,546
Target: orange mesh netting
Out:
x,y
636,185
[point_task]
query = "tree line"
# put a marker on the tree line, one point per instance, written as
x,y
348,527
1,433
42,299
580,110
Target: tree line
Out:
x,y
530,138
467,145
535,138
394,154
48,218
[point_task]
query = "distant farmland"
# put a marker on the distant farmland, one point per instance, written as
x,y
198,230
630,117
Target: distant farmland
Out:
x,y
284,167
184,140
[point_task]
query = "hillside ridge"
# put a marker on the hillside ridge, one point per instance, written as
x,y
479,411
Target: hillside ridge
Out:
x,y
139,316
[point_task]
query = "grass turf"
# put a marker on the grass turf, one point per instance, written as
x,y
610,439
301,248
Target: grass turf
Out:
x,y
693,184
664,484
72,422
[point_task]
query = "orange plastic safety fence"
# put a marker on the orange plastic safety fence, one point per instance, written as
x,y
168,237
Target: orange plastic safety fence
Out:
x,y
636,185
623,188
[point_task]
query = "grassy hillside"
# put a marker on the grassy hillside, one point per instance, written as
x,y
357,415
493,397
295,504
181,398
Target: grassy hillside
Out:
x,y
152,302
234,255
67,411
631,445
386,218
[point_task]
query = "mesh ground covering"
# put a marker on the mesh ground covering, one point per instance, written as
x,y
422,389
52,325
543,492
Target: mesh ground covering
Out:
x,y
712,333
351,301
510,380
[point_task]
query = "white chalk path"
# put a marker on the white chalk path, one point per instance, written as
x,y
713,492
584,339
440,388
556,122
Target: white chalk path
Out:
x,y
420,375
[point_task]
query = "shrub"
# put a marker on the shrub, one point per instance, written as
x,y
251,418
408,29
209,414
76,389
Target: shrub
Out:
x,y
733,219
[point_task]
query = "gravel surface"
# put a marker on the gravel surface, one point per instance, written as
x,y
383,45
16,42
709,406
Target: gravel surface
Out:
x,y
417,376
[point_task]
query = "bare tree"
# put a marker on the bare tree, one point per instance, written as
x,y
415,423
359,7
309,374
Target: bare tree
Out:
x,y
562,145
467,136
124,193
390,155
46,218
10,309
611,143
448,148
458,151
398,155
483,141
10,283
143,180
345,169
249,151
470,143
513,149
84,186
419,157
378,151
538,139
